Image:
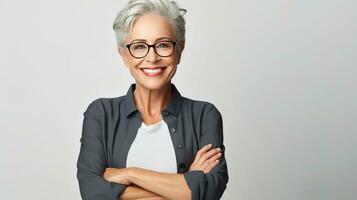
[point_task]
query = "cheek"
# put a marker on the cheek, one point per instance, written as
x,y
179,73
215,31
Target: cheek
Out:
x,y
133,63
174,59
130,61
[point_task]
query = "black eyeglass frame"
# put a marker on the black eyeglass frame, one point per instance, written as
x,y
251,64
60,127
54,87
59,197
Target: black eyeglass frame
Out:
x,y
174,43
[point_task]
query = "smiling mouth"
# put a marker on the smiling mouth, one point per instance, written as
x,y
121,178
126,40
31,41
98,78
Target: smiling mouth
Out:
x,y
156,71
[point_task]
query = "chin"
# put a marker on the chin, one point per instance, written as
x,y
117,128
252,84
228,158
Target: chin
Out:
x,y
153,85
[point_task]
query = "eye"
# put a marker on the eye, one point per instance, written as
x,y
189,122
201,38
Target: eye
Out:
x,y
138,46
163,45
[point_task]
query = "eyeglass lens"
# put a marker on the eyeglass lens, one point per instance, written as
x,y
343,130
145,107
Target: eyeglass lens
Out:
x,y
140,49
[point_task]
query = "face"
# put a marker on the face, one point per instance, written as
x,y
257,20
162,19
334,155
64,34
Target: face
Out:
x,y
151,28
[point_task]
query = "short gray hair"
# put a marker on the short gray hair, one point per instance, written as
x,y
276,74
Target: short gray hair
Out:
x,y
124,20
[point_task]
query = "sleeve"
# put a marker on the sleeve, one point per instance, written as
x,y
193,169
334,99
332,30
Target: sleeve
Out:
x,y
91,161
210,186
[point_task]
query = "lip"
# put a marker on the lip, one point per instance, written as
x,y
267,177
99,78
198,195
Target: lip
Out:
x,y
162,69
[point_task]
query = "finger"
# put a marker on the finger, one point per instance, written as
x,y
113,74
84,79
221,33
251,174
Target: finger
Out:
x,y
201,151
210,166
208,155
215,157
212,159
204,149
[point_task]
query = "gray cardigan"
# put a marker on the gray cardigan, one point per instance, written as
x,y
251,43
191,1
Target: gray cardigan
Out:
x,y
110,126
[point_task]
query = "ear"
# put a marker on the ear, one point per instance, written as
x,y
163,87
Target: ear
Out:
x,y
123,54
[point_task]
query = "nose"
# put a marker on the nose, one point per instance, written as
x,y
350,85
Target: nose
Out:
x,y
152,56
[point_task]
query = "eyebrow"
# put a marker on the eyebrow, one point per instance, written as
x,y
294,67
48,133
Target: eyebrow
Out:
x,y
160,38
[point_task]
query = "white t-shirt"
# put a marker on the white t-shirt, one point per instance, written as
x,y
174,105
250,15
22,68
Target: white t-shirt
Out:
x,y
153,149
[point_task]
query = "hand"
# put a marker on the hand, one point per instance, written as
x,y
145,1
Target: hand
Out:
x,y
117,175
206,159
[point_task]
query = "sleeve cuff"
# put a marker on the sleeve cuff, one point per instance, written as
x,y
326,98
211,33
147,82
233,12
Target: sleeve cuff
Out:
x,y
116,190
196,181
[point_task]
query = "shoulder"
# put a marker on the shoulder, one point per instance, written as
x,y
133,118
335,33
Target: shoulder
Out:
x,y
103,105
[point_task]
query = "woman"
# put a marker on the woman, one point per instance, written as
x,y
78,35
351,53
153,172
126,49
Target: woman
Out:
x,y
151,143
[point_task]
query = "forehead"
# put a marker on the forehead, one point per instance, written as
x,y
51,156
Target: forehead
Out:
x,y
150,27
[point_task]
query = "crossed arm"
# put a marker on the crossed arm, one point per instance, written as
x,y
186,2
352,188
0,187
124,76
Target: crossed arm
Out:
x,y
147,184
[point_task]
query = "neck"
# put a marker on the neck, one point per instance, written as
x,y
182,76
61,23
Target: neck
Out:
x,y
151,102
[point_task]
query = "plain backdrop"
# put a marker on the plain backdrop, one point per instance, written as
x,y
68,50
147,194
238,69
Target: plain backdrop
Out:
x,y
282,73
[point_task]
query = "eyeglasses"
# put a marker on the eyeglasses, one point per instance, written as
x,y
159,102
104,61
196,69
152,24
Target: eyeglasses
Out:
x,y
161,48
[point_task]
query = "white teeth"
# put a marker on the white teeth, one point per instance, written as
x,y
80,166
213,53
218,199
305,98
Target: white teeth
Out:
x,y
152,71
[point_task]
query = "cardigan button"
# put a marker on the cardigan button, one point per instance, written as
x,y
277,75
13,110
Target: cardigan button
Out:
x,y
182,166
165,113
179,146
172,130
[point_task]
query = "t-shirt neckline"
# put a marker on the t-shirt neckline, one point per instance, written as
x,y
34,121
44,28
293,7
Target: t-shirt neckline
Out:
x,y
152,127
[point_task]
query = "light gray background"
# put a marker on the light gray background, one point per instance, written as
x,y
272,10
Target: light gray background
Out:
x,y
282,73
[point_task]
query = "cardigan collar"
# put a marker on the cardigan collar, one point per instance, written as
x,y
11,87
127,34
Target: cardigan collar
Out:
x,y
173,107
